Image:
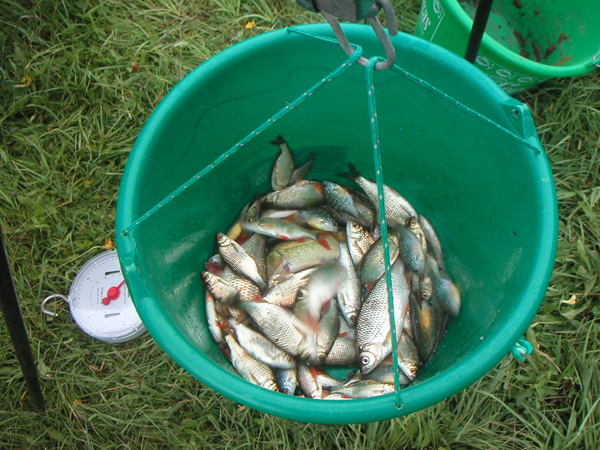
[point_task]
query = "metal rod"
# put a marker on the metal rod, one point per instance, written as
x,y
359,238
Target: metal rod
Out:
x,y
482,14
16,328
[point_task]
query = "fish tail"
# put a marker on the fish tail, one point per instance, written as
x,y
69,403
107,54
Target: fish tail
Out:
x,y
352,174
279,140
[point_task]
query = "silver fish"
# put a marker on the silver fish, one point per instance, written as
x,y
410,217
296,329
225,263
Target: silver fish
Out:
x,y
317,219
246,288
322,286
448,295
220,289
428,327
249,212
384,373
373,265
349,295
284,165
214,319
291,257
283,329
261,348
251,369
284,294
255,247
434,245
373,332
408,356
303,194
307,379
398,209
337,397
278,228
366,215
328,329
301,171
415,228
287,380
339,198
359,241
327,381
410,251
363,389
239,260
343,352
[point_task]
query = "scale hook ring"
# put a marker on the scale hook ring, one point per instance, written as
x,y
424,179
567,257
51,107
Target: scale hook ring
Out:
x,y
50,297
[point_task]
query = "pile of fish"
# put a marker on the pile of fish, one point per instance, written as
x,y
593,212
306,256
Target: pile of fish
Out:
x,y
298,287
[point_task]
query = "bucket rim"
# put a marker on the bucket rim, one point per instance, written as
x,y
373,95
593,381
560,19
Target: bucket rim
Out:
x,y
429,392
502,52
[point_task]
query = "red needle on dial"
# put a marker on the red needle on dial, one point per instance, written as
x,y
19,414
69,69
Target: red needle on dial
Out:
x,y
112,293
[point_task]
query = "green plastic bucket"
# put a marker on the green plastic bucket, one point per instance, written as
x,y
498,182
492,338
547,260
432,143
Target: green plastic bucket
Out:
x,y
526,41
458,147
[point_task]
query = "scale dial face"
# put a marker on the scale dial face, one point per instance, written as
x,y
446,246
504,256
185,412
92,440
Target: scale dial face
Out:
x,y
100,303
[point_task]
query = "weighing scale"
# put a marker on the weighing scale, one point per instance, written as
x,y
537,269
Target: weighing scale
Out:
x,y
100,303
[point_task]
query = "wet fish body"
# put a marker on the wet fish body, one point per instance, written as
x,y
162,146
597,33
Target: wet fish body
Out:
x,y
251,369
398,209
287,380
373,333
239,260
342,353
284,165
349,295
359,241
303,194
284,294
373,264
261,348
283,329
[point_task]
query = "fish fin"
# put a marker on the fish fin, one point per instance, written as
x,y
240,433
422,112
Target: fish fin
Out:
x,y
323,241
352,174
223,326
300,240
213,268
318,187
226,351
258,299
279,140
242,317
242,238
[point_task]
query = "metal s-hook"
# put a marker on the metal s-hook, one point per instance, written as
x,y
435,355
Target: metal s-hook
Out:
x,y
355,11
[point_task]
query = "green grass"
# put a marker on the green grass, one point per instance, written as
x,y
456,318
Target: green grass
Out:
x,y
78,79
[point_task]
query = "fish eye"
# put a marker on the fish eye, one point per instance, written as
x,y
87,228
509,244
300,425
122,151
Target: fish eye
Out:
x,y
355,226
365,360
413,370
424,295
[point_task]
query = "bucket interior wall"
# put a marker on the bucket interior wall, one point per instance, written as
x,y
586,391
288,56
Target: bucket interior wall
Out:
x,y
474,182
557,33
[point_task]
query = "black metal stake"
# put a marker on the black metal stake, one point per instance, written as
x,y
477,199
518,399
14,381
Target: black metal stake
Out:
x,y
11,310
482,14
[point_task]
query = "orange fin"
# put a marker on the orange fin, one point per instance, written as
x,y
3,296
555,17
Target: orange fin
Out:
x,y
321,240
